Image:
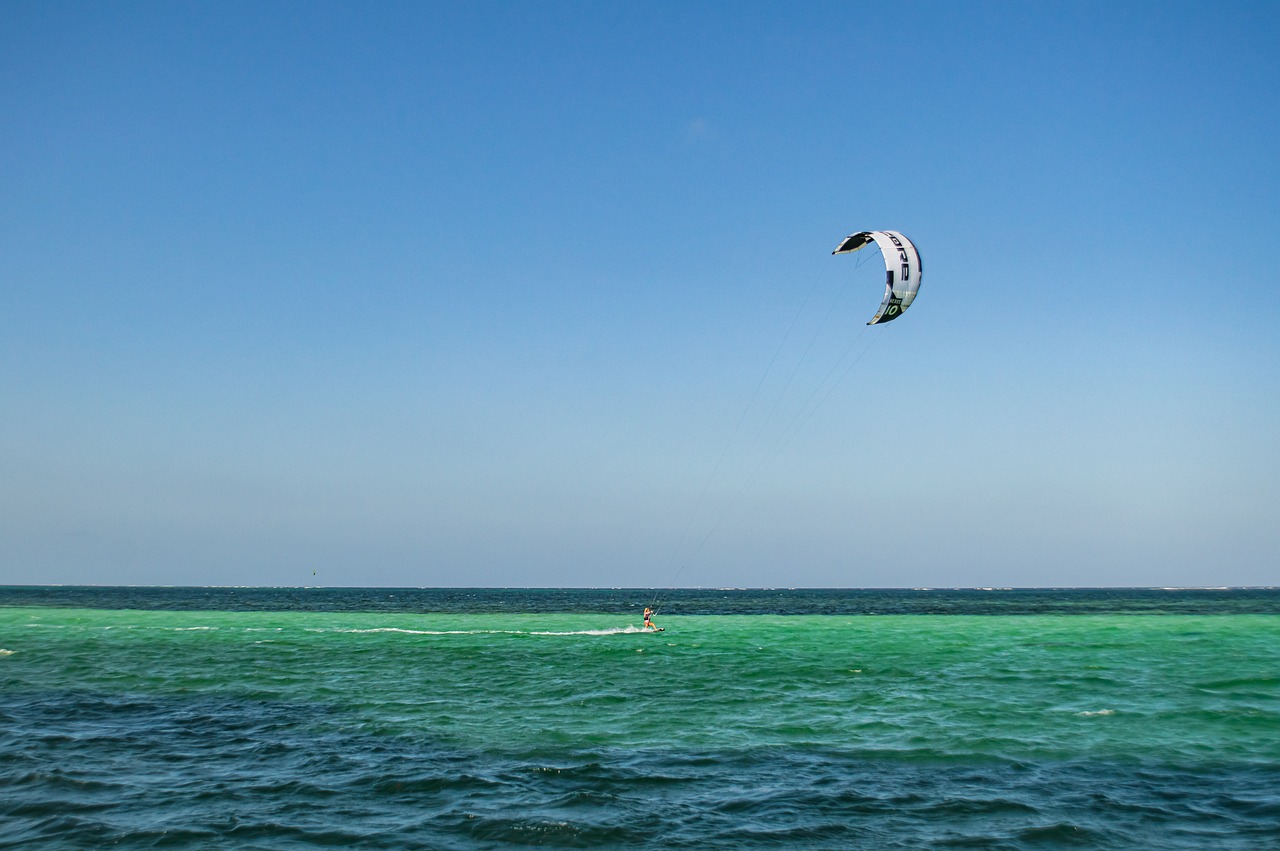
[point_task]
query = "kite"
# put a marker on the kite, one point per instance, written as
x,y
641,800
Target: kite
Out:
x,y
902,268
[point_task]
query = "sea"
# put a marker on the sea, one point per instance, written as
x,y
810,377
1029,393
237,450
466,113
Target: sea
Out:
x,y
412,718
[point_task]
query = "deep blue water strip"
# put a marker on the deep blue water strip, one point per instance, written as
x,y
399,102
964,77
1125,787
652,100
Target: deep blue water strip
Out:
x,y
798,601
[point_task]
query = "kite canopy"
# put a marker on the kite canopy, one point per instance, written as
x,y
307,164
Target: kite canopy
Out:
x,y
902,269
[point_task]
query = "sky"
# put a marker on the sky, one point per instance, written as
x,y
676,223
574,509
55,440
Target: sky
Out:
x,y
542,294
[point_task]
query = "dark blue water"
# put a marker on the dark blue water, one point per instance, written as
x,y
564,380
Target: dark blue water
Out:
x,y
733,601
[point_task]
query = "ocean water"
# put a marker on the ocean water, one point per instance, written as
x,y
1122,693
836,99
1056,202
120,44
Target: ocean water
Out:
x,y
468,718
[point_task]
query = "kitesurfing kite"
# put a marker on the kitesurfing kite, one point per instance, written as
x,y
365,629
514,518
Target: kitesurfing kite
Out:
x,y
902,269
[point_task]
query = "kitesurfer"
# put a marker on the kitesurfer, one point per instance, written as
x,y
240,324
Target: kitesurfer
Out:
x,y
648,619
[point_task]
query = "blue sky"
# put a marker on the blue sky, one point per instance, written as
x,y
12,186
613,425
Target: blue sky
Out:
x,y
540,294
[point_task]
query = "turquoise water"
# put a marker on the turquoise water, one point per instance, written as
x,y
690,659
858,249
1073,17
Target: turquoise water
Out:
x,y
403,728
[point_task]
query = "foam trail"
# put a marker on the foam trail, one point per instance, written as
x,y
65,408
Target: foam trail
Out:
x,y
615,630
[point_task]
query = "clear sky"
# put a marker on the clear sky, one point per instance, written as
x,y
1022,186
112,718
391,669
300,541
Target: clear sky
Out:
x,y
542,294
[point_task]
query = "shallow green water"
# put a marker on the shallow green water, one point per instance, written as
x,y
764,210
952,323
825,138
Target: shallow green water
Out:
x,y
412,729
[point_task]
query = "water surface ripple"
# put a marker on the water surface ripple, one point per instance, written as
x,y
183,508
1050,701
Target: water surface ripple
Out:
x,y
300,727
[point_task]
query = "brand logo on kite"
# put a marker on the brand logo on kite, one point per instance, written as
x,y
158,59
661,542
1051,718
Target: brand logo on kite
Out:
x,y
902,255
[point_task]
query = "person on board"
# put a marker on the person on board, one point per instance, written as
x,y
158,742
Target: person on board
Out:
x,y
648,619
